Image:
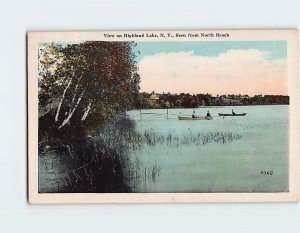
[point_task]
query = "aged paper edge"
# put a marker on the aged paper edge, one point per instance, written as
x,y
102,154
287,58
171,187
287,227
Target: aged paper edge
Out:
x,y
291,35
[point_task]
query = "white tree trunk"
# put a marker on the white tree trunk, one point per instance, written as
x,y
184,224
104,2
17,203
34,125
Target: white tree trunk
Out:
x,y
72,111
86,112
62,100
76,88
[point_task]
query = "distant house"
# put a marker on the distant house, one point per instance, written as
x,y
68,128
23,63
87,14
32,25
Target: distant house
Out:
x,y
154,97
153,101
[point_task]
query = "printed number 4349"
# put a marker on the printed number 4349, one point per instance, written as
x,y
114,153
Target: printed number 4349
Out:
x,y
266,173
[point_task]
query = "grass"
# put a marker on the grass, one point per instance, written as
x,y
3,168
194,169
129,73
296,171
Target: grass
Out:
x,y
136,140
102,163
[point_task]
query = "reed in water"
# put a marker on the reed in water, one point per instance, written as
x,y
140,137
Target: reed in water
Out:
x,y
101,163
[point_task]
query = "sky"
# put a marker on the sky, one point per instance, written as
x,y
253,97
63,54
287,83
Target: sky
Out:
x,y
231,67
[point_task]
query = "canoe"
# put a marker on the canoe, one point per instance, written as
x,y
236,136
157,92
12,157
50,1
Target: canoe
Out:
x,y
224,114
196,118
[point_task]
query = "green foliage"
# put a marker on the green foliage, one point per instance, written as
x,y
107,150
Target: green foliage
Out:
x,y
89,82
189,101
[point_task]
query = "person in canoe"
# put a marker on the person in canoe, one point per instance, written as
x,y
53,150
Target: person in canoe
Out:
x,y
194,114
233,113
208,114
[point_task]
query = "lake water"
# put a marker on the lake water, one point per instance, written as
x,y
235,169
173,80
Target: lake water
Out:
x,y
254,144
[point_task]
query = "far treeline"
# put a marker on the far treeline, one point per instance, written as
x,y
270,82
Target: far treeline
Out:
x,y
186,100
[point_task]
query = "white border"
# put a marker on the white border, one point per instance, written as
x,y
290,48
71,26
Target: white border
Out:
x,y
293,87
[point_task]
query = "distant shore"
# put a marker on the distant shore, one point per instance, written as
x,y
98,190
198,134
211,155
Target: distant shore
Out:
x,y
185,100
212,106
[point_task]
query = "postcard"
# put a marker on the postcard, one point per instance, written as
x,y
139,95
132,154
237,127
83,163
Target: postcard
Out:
x,y
163,116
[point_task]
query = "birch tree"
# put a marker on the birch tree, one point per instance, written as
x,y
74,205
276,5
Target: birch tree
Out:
x,y
91,81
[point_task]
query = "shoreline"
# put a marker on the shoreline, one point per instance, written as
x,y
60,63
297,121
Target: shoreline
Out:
x,y
212,106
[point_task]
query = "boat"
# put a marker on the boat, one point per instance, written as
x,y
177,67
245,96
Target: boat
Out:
x,y
225,114
195,118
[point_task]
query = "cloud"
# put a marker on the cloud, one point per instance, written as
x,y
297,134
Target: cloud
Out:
x,y
234,72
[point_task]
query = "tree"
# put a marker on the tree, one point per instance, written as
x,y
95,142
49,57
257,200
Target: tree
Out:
x,y
90,81
189,101
207,100
50,57
141,102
